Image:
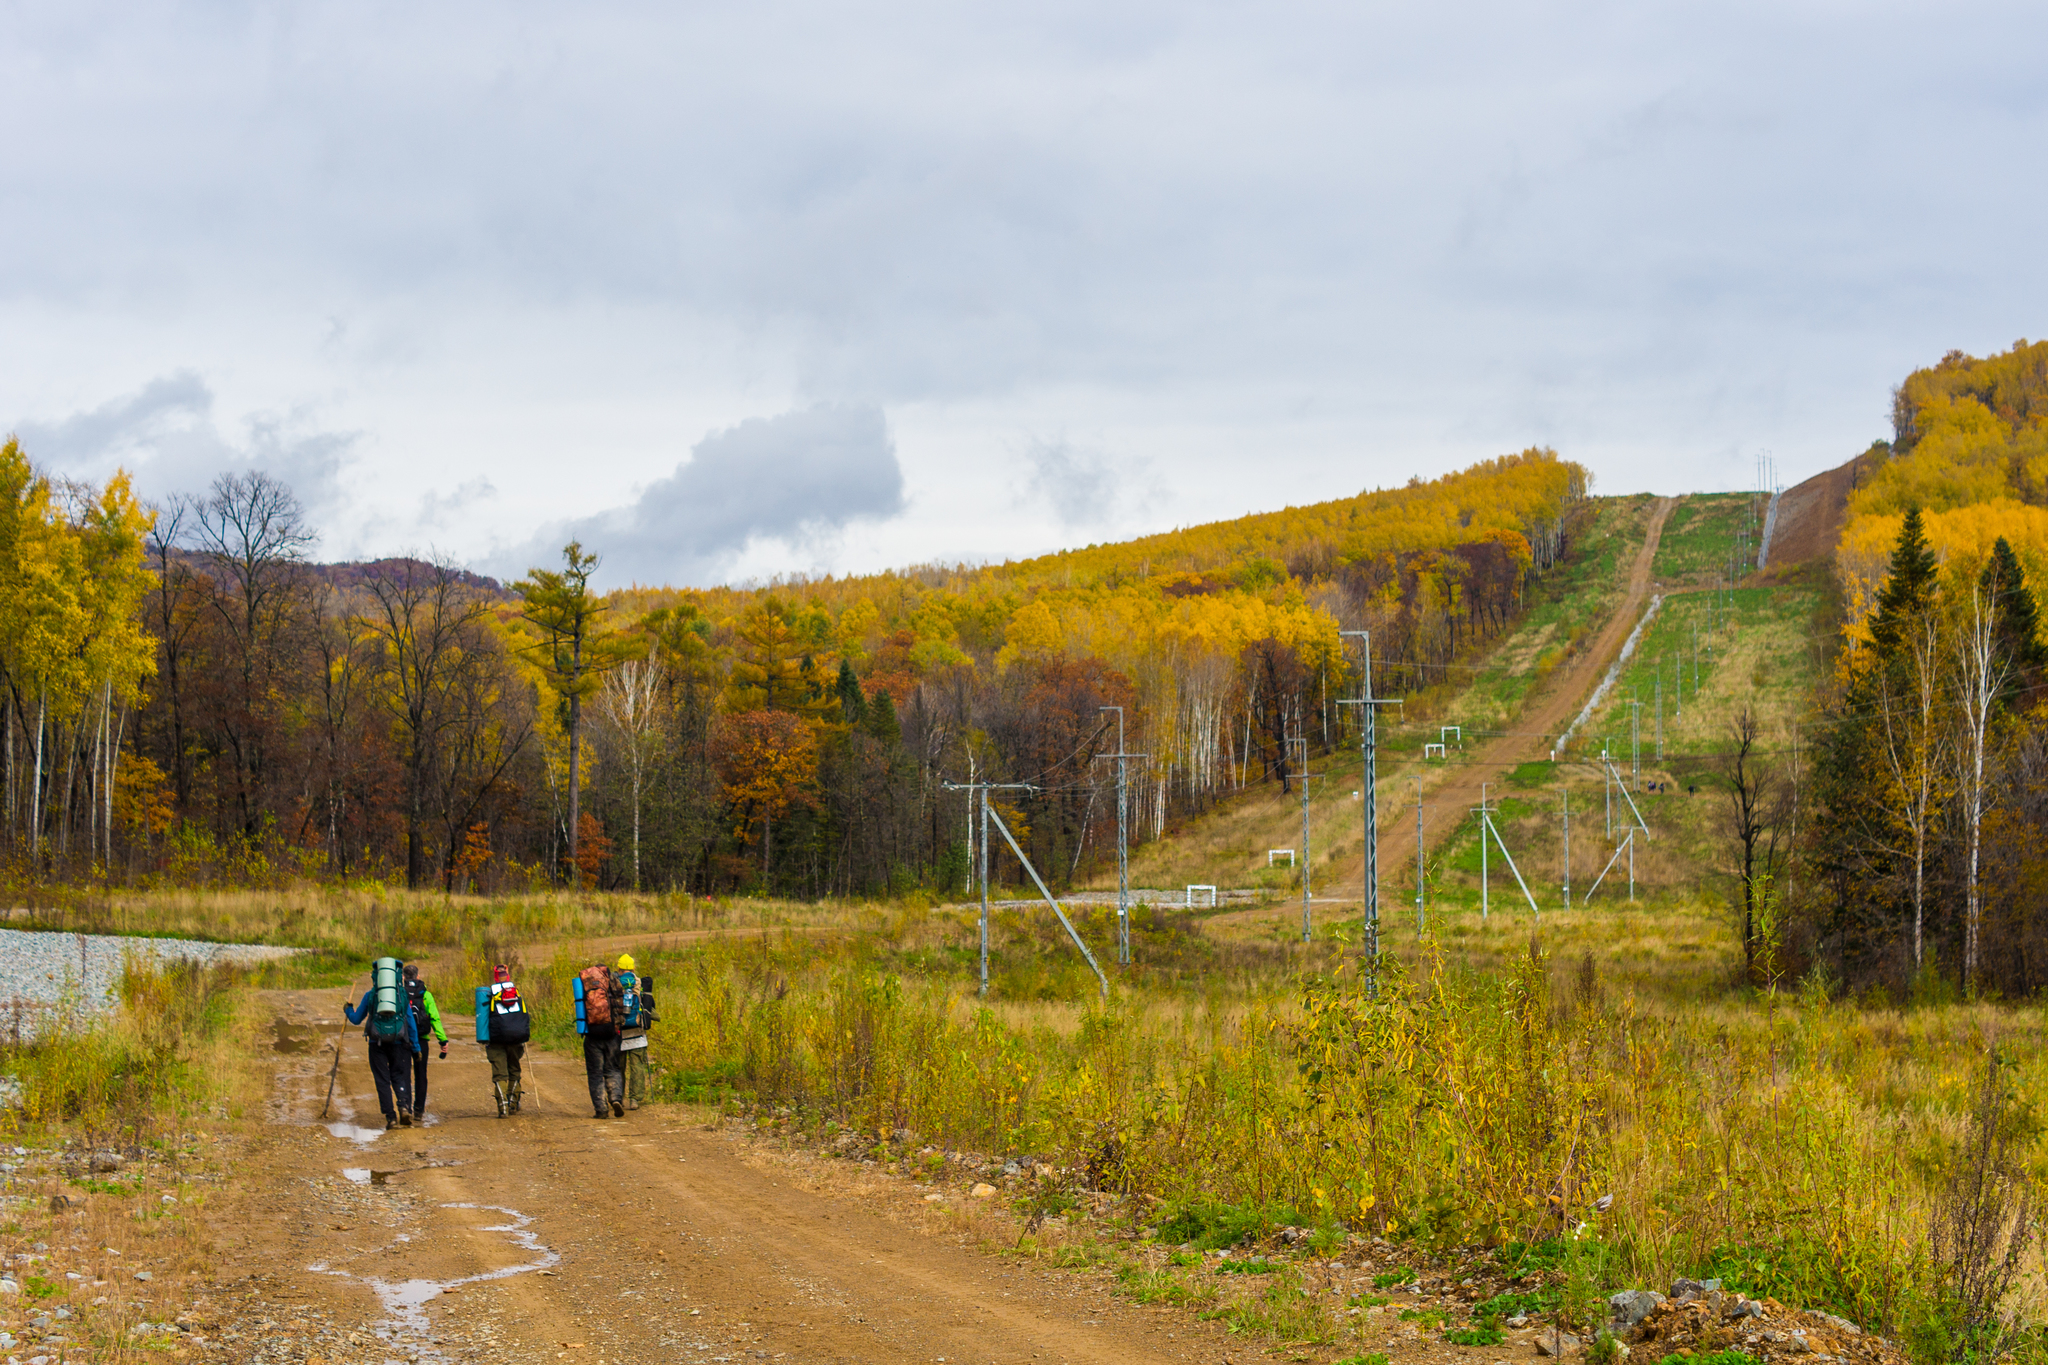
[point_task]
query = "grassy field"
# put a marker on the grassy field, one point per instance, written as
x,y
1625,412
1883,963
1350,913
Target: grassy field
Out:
x,y
1588,1079
1501,1082
1502,1077
1699,536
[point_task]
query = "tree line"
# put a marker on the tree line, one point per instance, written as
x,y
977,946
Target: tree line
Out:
x,y
1895,839
235,710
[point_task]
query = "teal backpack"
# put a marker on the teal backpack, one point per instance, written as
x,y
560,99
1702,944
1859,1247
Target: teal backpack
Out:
x,y
387,998
629,985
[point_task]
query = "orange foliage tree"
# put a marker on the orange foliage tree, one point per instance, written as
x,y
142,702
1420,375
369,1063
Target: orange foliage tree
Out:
x,y
768,764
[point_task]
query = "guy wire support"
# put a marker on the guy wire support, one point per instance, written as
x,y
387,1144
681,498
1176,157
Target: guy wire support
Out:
x,y
983,789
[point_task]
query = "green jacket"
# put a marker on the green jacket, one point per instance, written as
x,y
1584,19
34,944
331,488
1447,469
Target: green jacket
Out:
x,y
433,1013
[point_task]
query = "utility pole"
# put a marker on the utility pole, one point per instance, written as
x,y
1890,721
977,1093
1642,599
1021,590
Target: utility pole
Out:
x,y
1123,845
1481,813
1564,808
1635,742
1368,753
1607,788
970,820
1305,861
1420,923
983,789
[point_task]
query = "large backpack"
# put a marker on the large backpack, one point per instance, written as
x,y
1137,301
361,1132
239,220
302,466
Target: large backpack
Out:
x,y
416,1001
594,1016
388,1003
501,1015
629,1001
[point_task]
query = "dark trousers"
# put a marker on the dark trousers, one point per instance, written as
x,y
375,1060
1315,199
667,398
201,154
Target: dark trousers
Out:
x,y
419,1081
391,1064
601,1065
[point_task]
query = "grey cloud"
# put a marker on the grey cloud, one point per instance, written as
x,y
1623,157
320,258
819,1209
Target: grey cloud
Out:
x,y
1643,234
1079,484
441,509
798,476
166,436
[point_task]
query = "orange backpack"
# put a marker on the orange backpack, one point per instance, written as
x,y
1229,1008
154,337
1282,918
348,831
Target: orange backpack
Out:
x,y
596,983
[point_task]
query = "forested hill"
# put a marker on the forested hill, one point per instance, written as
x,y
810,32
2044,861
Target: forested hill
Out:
x,y
1922,824
269,717
1969,448
1428,567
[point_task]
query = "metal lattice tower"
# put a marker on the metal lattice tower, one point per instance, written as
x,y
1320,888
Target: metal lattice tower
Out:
x,y
1123,844
1368,753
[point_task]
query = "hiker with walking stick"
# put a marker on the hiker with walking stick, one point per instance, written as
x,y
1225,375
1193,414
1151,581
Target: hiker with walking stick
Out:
x,y
503,1026
387,1025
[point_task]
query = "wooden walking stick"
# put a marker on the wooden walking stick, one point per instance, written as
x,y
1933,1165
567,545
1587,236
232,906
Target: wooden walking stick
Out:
x,y
332,1072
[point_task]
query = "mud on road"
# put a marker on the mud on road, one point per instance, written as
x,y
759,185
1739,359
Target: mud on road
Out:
x,y
550,1235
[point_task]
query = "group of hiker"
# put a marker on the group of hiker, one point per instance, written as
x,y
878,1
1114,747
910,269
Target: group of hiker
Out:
x,y
400,1018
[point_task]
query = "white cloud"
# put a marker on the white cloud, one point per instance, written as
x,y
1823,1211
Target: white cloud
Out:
x,y
1304,246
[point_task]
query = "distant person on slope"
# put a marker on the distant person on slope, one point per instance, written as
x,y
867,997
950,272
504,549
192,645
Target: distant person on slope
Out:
x,y
426,1015
503,1026
637,996
387,1025
599,1007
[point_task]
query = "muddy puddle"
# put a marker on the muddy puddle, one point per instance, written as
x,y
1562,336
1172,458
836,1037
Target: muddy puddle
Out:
x,y
348,1130
291,1036
404,1302
366,1175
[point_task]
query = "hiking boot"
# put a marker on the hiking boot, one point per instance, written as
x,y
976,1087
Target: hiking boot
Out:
x,y
600,1114
389,1123
501,1103
632,1104
404,1118
618,1110
513,1103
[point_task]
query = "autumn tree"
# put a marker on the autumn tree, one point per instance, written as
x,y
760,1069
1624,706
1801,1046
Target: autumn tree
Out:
x,y
252,535
175,615
1759,805
492,722
629,700
775,664
573,651
767,762
114,652
423,621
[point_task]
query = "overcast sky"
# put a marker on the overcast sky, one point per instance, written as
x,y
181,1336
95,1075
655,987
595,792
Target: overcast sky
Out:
x,y
734,290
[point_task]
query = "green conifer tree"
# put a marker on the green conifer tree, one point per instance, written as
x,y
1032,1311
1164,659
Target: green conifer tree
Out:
x,y
1909,590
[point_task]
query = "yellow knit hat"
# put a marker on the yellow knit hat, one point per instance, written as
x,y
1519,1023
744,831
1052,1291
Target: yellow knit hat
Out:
x,y
625,962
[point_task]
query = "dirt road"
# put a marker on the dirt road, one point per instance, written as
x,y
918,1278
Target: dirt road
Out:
x,y
1450,794
1453,798
551,1235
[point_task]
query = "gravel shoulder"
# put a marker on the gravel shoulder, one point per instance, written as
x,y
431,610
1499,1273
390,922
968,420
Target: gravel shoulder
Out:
x,y
39,967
